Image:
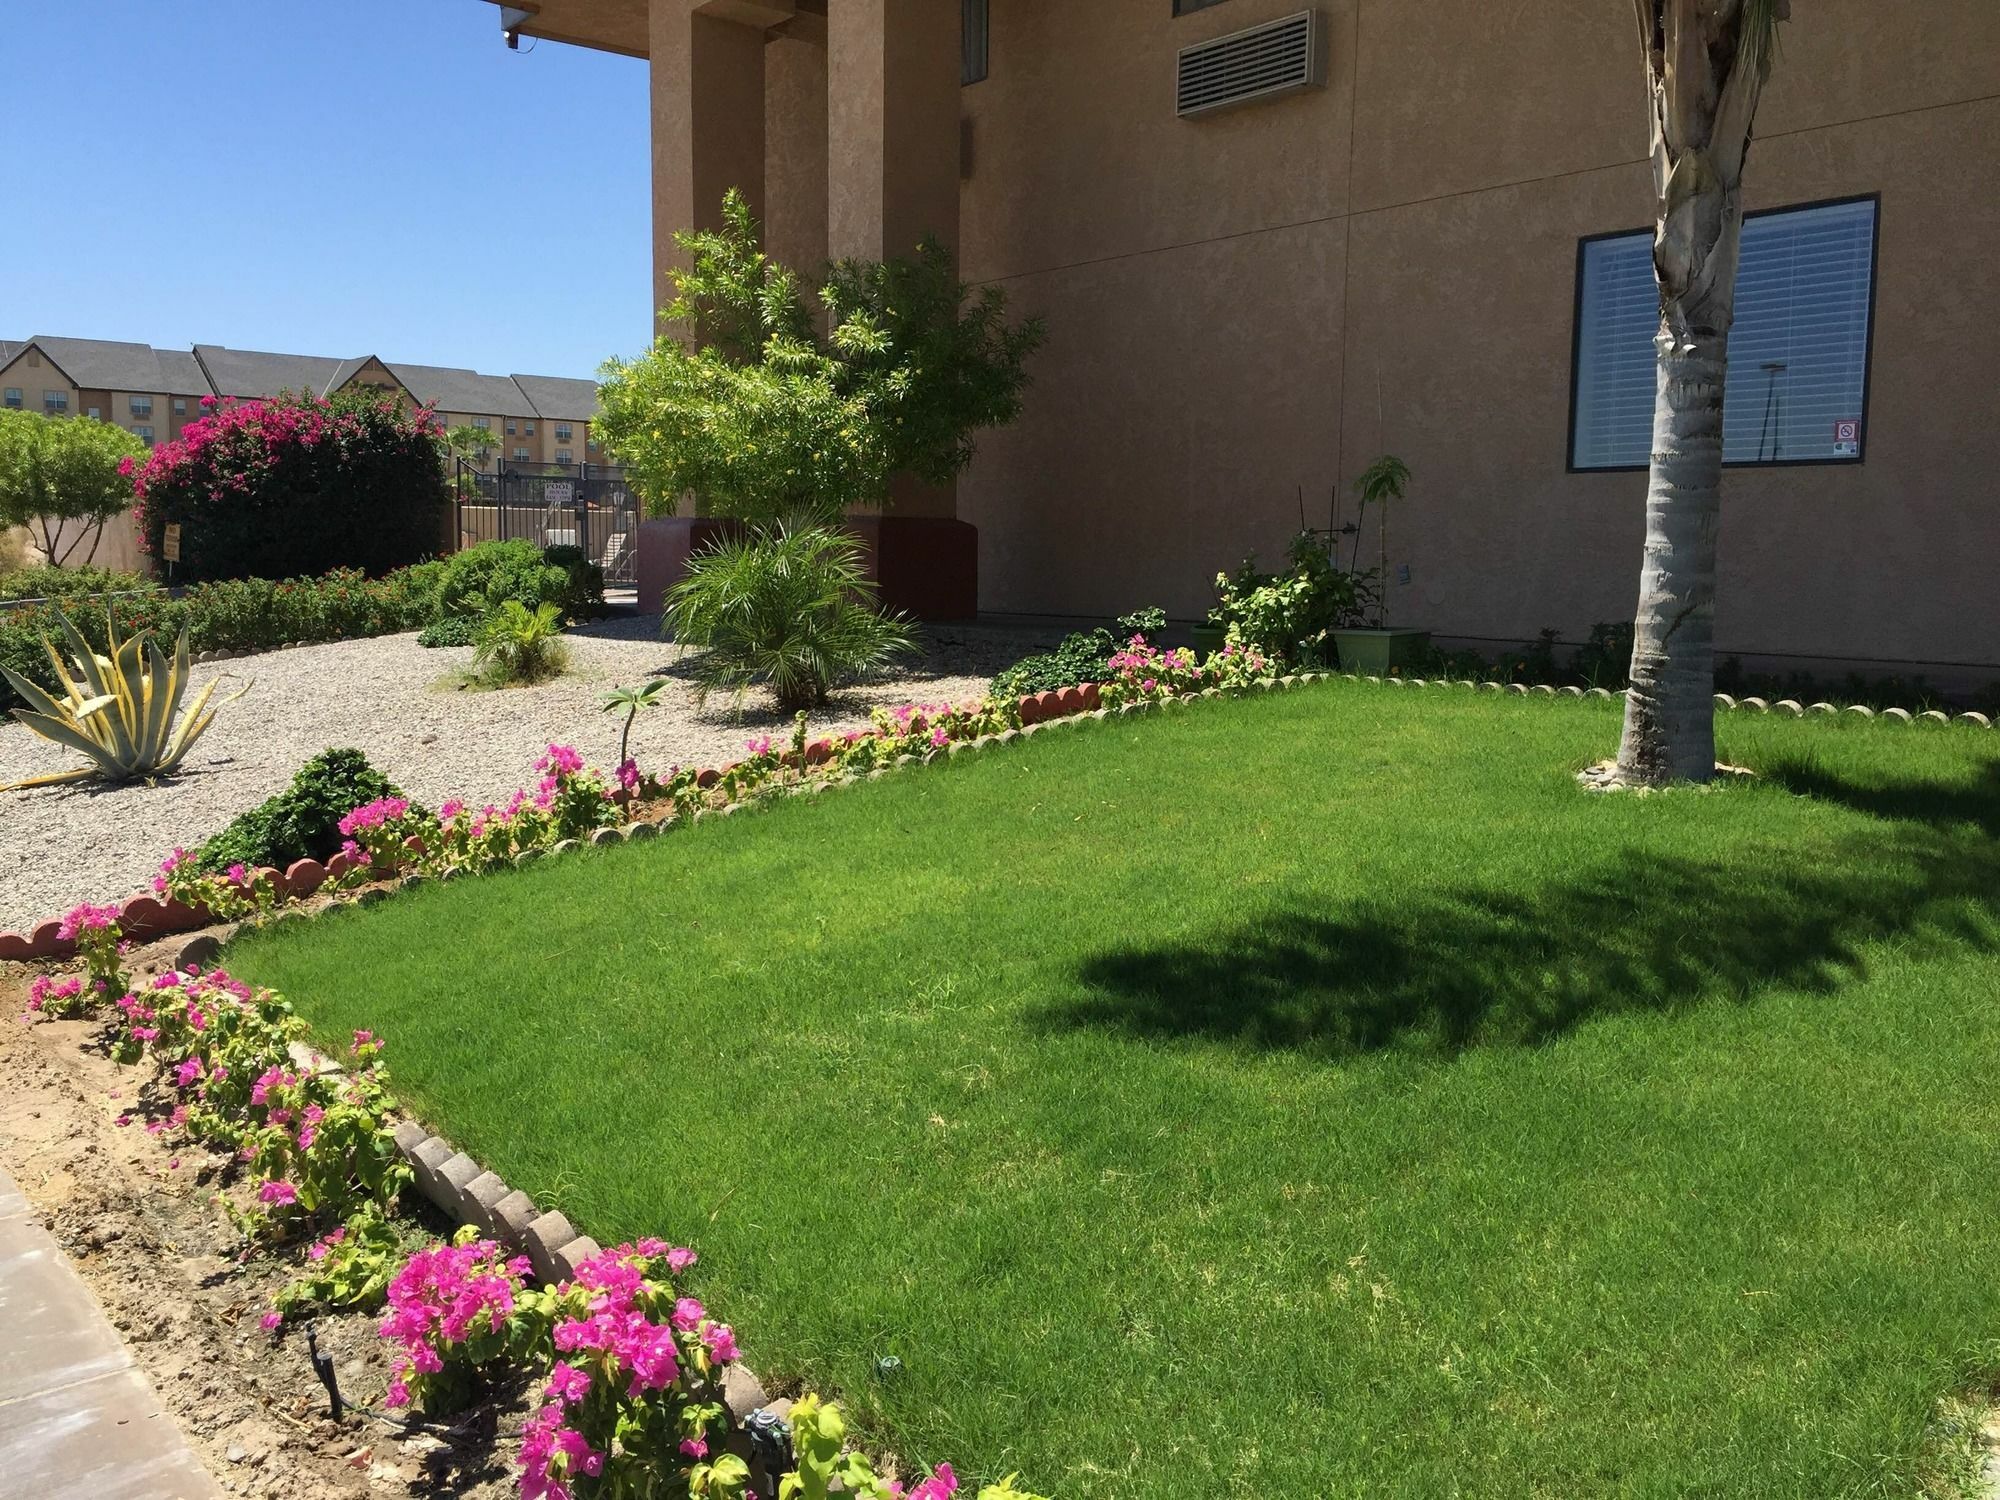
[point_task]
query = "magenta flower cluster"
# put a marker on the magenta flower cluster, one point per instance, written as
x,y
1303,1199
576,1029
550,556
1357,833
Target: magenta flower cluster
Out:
x,y
443,1303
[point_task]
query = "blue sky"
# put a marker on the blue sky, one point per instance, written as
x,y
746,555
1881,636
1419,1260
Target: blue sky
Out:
x,y
338,177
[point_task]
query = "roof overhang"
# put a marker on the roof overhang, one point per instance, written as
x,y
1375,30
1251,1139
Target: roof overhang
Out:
x,y
621,25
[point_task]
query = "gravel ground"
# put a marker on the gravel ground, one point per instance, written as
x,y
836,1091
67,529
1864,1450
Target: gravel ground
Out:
x,y
401,704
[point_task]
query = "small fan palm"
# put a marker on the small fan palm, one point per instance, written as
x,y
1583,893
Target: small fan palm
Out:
x,y
117,709
517,644
791,607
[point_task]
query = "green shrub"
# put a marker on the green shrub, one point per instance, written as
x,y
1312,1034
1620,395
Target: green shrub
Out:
x,y
520,645
298,484
303,821
1083,657
1291,616
583,596
477,580
68,583
250,614
450,630
791,608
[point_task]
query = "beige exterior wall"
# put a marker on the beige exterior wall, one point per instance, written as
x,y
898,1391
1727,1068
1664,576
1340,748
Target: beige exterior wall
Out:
x,y
1262,301
31,373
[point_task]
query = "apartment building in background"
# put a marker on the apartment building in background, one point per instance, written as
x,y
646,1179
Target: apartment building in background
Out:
x,y
153,393
1272,241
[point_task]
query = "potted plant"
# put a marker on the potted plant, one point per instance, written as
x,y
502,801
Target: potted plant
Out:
x,y
1380,648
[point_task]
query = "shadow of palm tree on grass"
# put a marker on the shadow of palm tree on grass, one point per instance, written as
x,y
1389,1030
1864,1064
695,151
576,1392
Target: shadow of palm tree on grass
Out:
x,y
1442,971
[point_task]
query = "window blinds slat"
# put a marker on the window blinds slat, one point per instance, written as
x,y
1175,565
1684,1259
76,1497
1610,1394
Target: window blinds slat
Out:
x,y
1797,355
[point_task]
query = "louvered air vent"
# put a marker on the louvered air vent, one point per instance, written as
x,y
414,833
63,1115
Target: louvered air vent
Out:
x,y
1275,58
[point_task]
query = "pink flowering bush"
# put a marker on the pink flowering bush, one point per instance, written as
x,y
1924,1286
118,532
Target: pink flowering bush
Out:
x,y
100,943
1142,672
317,1142
349,1266
453,1317
233,893
378,831
570,801
295,485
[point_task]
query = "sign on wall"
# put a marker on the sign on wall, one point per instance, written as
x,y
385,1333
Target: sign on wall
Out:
x,y
559,492
170,542
1847,438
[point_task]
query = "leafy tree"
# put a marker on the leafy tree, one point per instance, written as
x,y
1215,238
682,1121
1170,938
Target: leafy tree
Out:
x,y
764,416
1706,65
59,471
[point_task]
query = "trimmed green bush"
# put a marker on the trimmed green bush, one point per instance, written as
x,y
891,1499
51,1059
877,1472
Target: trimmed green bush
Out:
x,y
70,583
479,579
248,614
303,821
450,630
1082,657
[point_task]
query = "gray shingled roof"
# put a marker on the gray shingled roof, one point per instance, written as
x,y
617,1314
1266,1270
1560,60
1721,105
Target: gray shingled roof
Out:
x,y
559,399
109,365
181,373
251,372
463,390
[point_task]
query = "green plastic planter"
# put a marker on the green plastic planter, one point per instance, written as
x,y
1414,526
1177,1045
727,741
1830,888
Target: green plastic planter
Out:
x,y
1376,653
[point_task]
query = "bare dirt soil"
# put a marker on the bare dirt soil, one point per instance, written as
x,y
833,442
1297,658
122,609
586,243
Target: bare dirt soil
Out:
x,y
137,1213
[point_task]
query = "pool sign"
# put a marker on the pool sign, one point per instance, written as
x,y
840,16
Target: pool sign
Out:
x,y
1847,438
559,492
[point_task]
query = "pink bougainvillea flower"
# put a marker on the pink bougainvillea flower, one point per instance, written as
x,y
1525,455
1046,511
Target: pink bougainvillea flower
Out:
x,y
687,1314
271,1319
279,1192
721,1341
680,1258
695,1447
567,1382
941,1485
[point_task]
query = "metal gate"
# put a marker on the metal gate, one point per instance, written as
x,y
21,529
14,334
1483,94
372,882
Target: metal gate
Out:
x,y
554,505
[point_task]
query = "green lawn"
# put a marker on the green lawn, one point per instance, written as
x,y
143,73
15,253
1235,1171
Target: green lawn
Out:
x,y
1313,1095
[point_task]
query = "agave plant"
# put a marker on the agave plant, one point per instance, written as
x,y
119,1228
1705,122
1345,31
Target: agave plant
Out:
x,y
117,709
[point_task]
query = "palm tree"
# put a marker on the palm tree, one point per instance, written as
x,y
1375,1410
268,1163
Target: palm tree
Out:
x,y
1706,65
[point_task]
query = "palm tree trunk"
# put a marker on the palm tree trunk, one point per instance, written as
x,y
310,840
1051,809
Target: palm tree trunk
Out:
x,y
1670,709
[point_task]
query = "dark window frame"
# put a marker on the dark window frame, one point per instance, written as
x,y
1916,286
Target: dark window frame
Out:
x,y
1570,465
975,55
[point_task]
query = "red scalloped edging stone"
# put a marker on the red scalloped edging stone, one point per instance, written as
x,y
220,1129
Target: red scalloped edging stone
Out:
x,y
707,778
178,916
414,843
304,876
13,945
44,942
339,865
819,752
1093,697
142,916
1070,700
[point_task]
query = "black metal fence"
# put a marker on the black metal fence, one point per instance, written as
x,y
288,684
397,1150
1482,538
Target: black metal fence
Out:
x,y
551,505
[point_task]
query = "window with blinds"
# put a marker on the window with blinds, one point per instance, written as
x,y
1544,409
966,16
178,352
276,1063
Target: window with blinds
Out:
x,y
1798,354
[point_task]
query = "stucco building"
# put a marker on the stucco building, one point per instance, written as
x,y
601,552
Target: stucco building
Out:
x,y
1272,242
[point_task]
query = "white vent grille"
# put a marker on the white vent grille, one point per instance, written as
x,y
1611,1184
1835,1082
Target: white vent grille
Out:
x,y
1278,57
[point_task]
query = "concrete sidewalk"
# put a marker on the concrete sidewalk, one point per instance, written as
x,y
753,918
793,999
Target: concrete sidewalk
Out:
x,y
78,1421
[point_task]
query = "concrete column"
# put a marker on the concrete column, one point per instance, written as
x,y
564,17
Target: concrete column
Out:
x,y
795,153
892,125
708,124
893,149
